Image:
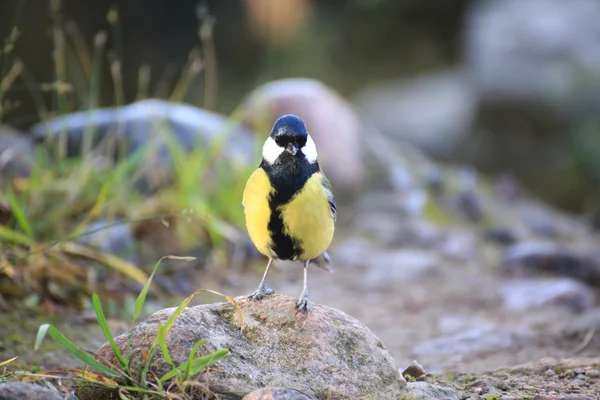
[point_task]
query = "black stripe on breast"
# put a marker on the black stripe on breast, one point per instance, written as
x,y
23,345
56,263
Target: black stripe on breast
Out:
x,y
287,178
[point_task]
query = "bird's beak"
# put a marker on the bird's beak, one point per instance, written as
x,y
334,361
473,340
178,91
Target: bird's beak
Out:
x,y
290,148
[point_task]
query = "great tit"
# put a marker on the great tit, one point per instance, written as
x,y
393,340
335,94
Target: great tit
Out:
x,y
288,202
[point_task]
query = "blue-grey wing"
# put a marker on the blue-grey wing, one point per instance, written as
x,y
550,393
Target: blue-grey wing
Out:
x,y
330,198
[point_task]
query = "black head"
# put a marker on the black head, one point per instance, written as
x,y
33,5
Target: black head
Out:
x,y
289,132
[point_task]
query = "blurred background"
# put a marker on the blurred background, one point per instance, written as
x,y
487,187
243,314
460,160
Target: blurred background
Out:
x,y
462,138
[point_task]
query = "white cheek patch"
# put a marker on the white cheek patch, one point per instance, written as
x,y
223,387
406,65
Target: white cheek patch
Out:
x,y
271,150
310,150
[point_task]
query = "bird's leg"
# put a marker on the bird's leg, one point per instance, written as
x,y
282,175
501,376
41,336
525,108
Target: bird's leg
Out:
x,y
302,303
262,290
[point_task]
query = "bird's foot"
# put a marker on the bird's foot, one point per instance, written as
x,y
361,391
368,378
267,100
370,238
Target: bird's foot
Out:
x,y
303,304
261,292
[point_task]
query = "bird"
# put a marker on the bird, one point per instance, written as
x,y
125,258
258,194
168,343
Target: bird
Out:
x,y
289,206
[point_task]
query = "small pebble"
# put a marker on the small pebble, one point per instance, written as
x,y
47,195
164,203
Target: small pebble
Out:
x,y
582,377
569,372
549,372
593,373
414,370
578,382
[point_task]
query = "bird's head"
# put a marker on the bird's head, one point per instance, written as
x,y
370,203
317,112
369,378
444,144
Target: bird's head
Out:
x,y
289,140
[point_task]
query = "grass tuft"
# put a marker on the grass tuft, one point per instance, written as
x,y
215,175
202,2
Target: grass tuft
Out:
x,y
120,377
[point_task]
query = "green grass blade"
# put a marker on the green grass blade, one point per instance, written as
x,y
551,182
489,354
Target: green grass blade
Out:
x,y
197,365
71,348
141,299
106,330
188,367
19,214
162,341
9,235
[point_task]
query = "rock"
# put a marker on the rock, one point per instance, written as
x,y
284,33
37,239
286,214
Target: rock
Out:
x,y
329,118
386,266
112,237
533,258
593,373
537,89
276,394
428,391
549,51
325,354
29,391
433,111
16,153
471,344
526,294
414,371
121,131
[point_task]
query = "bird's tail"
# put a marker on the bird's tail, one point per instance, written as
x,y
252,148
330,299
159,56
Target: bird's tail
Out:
x,y
323,261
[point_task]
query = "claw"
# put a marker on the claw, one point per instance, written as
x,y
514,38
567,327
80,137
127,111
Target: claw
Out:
x,y
303,303
261,292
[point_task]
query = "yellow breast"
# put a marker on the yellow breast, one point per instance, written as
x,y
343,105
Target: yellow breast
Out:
x,y
307,218
256,208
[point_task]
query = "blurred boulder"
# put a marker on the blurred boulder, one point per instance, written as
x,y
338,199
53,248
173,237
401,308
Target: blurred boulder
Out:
x,y
323,354
535,51
112,237
542,258
29,391
118,132
535,68
329,118
16,153
432,111
530,293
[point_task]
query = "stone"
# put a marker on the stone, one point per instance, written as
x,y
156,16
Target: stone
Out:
x,y
530,293
323,354
331,121
536,88
593,373
276,394
428,391
535,258
118,132
112,237
29,391
414,371
432,111
16,153
549,51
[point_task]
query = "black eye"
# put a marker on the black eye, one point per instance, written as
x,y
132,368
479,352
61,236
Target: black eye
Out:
x,y
300,141
280,141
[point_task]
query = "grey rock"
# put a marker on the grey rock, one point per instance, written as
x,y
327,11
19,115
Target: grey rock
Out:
x,y
112,237
276,394
331,121
593,373
16,153
476,341
428,391
433,111
526,294
323,354
29,391
533,258
535,51
118,132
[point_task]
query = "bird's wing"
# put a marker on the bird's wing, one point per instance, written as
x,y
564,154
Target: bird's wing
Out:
x,y
330,197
